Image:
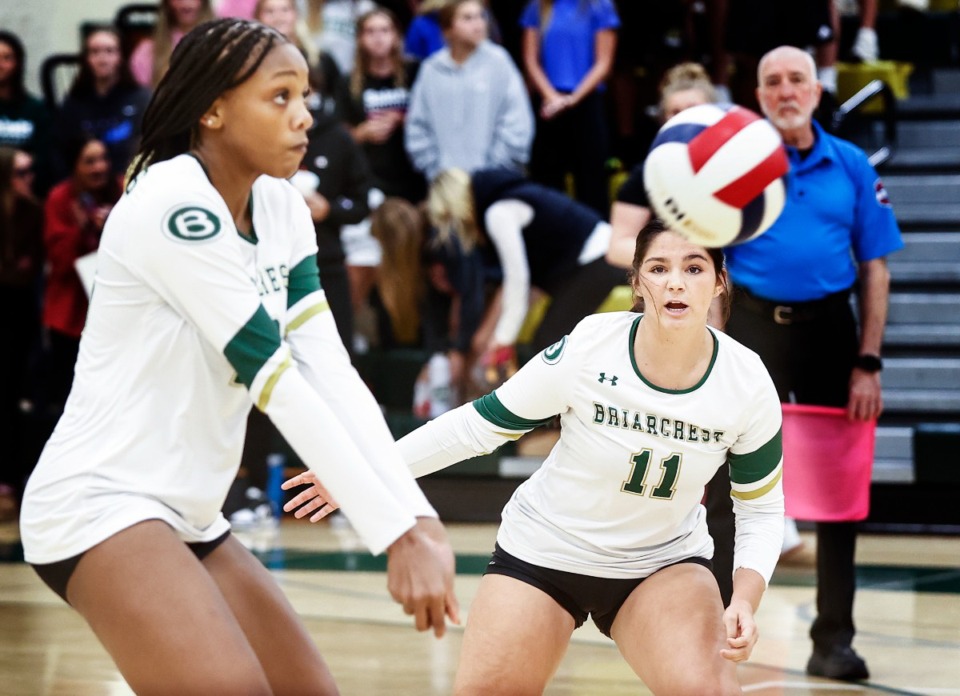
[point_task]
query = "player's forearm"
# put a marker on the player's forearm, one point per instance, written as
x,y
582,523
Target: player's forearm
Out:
x,y
874,301
748,586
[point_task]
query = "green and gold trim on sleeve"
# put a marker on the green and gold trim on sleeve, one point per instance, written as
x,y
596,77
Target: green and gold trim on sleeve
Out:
x,y
252,346
304,279
305,299
492,410
756,473
306,312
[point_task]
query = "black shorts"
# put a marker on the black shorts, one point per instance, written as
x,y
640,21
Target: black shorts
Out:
x,y
56,575
580,595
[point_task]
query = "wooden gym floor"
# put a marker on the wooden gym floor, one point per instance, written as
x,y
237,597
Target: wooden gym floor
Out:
x,y
907,612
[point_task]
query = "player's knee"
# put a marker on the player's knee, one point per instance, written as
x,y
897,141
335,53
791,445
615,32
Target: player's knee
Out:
x,y
706,683
500,686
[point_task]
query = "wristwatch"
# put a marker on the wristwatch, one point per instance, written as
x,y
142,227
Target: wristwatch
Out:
x,y
869,363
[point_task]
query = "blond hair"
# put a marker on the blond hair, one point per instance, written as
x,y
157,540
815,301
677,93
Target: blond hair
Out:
x,y
684,76
398,225
428,6
301,33
450,209
163,36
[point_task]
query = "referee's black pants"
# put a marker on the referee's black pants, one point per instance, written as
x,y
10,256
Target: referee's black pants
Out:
x,y
809,352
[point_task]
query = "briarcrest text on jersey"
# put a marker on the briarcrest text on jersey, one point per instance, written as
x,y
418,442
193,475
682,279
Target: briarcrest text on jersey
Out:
x,y
652,424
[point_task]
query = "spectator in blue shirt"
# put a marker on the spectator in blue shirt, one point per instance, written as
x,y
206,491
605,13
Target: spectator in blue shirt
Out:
x,y
424,35
568,51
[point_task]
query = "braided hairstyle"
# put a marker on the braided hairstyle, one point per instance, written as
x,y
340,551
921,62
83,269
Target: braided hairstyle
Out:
x,y
213,58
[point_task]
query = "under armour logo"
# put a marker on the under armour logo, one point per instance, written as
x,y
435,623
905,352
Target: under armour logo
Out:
x,y
603,378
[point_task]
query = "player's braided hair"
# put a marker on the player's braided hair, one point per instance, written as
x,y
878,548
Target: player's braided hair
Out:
x,y
213,58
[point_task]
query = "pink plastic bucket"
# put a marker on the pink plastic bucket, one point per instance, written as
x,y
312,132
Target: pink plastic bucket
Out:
x,y
827,463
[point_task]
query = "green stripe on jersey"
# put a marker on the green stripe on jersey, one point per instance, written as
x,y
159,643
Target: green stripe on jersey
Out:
x,y
751,467
253,345
304,278
490,407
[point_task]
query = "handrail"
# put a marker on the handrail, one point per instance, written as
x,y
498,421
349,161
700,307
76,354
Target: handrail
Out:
x,y
858,101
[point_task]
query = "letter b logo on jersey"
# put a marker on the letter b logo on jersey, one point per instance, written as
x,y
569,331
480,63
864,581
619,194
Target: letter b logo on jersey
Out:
x,y
192,224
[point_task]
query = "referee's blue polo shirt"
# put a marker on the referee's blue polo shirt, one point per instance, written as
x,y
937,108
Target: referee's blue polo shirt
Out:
x,y
837,214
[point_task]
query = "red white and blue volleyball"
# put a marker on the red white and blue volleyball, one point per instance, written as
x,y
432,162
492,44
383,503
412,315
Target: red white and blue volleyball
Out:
x,y
717,174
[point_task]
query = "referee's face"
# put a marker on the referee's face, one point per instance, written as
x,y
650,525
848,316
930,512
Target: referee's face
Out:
x,y
788,89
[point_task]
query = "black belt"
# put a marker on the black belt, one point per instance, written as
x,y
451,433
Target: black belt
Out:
x,y
790,312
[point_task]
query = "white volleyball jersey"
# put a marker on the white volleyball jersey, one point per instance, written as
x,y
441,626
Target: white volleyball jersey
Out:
x,y
619,495
188,324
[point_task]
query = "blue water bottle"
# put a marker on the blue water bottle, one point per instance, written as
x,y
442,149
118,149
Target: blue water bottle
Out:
x,y
276,463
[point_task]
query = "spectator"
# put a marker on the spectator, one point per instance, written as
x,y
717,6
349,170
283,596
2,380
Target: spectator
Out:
x,y
333,26
24,120
792,290
424,35
683,86
469,108
336,187
104,100
239,9
568,51
21,263
284,16
374,103
151,57
865,46
525,235
398,226
75,213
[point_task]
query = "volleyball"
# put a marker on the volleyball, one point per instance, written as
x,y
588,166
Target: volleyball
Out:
x,y
717,174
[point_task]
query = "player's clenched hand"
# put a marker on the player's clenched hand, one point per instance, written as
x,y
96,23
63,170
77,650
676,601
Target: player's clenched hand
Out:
x,y
316,499
741,631
420,569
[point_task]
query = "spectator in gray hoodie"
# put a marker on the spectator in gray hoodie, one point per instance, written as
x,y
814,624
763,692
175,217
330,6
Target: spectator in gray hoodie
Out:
x,y
469,107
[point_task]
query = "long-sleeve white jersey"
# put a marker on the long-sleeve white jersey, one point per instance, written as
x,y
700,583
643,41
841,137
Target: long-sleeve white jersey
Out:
x,y
188,323
619,495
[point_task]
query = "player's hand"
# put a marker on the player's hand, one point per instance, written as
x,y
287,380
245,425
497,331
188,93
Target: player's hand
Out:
x,y
420,570
866,398
741,631
316,499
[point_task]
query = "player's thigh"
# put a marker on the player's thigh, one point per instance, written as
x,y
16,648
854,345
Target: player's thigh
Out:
x,y
516,636
161,617
670,630
285,650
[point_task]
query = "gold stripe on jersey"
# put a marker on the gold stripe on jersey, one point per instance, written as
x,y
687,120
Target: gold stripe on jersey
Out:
x,y
264,400
307,314
761,491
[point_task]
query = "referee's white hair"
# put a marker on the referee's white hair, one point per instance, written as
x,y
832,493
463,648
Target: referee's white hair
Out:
x,y
784,52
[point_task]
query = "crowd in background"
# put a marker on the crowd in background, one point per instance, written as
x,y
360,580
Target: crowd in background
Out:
x,y
425,113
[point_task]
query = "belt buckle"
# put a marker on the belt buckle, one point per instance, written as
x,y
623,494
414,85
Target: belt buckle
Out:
x,y
783,314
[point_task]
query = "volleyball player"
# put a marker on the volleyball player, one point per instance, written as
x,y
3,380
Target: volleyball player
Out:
x,y
611,526
207,298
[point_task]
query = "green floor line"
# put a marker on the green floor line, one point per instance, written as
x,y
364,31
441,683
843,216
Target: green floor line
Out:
x,y
878,577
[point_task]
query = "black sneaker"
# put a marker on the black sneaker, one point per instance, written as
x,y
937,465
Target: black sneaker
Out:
x,y
840,662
